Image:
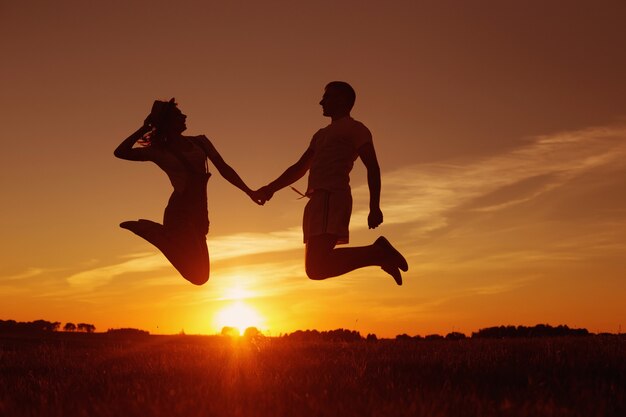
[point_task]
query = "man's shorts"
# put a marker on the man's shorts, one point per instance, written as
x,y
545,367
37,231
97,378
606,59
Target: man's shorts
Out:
x,y
328,213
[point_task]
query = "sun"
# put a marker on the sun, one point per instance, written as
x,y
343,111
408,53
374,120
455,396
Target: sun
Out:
x,y
239,316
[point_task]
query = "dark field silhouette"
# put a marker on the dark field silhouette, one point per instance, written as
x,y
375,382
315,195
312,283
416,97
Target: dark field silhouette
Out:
x,y
99,374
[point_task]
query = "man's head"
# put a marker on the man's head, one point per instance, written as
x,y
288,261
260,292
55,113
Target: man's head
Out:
x,y
338,99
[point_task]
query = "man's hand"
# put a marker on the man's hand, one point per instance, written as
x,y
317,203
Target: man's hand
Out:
x,y
375,218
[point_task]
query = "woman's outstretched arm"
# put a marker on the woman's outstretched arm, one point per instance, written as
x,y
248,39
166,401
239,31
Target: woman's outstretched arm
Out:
x,y
224,169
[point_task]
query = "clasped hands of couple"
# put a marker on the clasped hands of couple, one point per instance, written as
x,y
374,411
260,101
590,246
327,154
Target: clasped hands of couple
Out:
x,y
262,195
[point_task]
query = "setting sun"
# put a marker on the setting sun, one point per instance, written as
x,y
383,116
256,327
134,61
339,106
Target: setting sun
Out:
x,y
238,315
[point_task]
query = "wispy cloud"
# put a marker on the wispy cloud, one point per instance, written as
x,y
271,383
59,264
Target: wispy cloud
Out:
x,y
425,194
24,281
103,275
243,244
29,273
222,248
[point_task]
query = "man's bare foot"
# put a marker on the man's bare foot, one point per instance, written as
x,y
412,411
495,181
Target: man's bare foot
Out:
x,y
392,252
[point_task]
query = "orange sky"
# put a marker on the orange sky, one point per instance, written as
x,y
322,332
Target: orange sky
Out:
x,y
500,129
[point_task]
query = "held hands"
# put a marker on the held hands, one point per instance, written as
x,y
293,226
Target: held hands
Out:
x,y
375,218
257,197
261,195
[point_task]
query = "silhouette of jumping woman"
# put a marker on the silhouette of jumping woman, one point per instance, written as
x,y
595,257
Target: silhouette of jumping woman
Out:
x,y
182,236
329,160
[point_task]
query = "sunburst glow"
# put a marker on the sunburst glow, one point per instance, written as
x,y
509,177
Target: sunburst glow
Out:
x,y
238,315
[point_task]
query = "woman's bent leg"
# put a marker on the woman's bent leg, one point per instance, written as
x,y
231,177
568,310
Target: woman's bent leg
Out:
x,y
187,252
190,256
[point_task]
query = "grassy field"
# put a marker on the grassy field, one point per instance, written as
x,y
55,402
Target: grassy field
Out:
x,y
95,375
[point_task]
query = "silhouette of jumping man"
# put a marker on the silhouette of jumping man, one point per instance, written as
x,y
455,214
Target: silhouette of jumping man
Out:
x,y
329,160
182,236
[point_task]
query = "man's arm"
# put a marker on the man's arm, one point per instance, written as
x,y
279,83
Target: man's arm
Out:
x,y
368,156
291,175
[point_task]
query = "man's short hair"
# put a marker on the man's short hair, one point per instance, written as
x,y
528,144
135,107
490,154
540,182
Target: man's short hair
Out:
x,y
345,90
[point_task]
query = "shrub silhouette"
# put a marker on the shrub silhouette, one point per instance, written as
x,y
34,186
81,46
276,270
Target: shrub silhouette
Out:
x,y
229,331
455,336
252,333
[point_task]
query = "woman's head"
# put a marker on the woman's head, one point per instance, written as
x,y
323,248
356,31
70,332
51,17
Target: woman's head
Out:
x,y
167,120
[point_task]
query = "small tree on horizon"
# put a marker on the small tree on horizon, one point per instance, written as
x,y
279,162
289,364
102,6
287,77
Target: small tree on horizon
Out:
x,y
229,331
44,325
252,332
85,327
69,327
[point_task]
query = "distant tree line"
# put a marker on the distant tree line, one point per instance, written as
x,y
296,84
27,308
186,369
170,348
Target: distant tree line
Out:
x,y
449,336
338,335
37,326
501,332
80,327
344,335
128,332
40,326
540,330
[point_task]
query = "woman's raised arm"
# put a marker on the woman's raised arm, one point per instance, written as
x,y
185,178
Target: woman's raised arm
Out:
x,y
125,149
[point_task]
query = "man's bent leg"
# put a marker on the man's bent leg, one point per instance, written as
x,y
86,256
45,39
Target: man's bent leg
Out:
x,y
324,261
317,256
